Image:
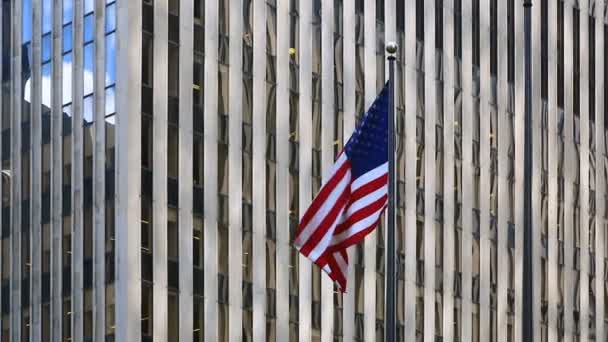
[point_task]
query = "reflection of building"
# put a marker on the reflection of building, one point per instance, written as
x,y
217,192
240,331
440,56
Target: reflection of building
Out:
x,y
229,112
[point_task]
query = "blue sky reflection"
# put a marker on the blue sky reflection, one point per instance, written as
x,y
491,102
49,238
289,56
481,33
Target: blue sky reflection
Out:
x,y
88,52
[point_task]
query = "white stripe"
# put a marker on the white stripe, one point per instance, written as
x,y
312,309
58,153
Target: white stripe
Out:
x,y
357,227
328,204
342,264
339,162
322,245
367,200
369,176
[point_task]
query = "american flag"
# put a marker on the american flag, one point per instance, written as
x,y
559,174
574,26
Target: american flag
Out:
x,y
352,198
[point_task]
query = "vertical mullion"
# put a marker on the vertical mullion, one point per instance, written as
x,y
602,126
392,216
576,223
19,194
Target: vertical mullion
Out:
x,y
259,170
467,172
429,170
77,175
185,184
502,261
99,180
599,176
584,171
210,172
128,182
370,242
349,97
537,170
519,168
235,151
327,150
449,264
16,176
552,238
484,176
410,172
35,174
282,174
305,125
568,173
56,174
159,176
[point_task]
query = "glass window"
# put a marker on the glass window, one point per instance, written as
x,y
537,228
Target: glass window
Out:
x,y
110,59
67,10
67,38
47,16
26,22
46,48
67,81
89,67
89,6
111,18
198,247
172,156
198,161
110,99
173,314
88,111
89,27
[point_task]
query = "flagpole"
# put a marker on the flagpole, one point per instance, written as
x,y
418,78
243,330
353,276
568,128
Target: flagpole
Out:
x,y
390,327
528,285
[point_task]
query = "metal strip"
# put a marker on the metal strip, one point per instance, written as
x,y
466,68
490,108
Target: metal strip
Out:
x,y
56,175
430,107
128,158
305,150
186,140
553,221
35,174
568,174
77,175
349,98
258,236
282,173
327,148
537,157
159,176
467,173
584,171
370,242
449,264
210,172
600,184
410,172
519,171
235,151
502,272
99,179
485,244
16,176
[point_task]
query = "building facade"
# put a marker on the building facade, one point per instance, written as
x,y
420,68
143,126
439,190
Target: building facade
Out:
x,y
157,155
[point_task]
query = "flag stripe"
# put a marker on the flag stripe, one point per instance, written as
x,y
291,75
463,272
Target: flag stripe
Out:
x,y
324,192
323,204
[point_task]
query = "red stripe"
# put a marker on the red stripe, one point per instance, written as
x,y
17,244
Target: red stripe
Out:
x,y
369,187
326,224
337,275
322,196
361,214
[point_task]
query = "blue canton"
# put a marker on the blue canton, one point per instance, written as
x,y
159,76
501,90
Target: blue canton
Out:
x,y
367,148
